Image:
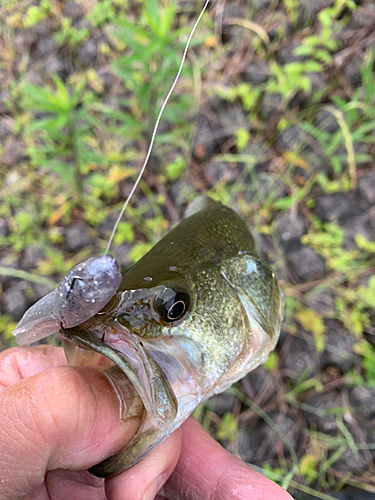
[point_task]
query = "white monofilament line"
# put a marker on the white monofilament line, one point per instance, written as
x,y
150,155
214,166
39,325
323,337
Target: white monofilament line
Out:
x,y
156,127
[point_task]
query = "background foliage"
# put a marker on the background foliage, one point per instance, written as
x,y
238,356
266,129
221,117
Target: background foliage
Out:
x,y
275,116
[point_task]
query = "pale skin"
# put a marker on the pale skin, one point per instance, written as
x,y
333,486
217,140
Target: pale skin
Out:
x,y
57,421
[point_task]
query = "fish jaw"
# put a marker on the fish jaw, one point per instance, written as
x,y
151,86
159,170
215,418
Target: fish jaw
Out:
x,y
126,350
165,377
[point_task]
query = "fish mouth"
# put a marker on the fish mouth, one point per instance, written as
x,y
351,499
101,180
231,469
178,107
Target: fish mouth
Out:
x,y
164,371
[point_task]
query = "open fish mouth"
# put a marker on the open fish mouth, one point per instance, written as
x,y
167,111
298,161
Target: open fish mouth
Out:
x,y
127,351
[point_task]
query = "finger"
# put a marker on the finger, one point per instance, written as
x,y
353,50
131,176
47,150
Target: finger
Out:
x,y
144,480
205,471
18,363
69,485
66,418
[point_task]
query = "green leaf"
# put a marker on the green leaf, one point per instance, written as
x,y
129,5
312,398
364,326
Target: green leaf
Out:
x,y
242,138
139,250
364,244
124,233
34,15
313,323
175,168
228,428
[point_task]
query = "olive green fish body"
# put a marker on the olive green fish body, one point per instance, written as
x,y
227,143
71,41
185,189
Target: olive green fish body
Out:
x,y
191,317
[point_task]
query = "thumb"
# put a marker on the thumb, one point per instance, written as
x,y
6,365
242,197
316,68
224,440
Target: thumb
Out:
x,y
63,418
206,471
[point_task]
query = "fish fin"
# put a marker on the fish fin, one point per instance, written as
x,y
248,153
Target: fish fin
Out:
x,y
198,204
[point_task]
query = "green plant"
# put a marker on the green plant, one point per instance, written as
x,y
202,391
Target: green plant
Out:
x,y
151,60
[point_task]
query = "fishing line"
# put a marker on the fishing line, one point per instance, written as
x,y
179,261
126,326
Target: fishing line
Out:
x,y
156,127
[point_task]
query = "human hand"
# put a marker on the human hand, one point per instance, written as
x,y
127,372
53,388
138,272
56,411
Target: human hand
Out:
x,y
57,421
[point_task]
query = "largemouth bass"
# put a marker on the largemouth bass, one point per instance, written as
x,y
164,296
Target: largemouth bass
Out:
x,y
194,315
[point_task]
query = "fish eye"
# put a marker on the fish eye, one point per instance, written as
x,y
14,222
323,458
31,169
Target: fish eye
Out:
x,y
172,305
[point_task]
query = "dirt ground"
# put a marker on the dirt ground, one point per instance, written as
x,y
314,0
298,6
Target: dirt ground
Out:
x,y
275,117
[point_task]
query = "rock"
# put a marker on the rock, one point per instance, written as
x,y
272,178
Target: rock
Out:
x,y
44,47
290,227
219,170
260,384
4,96
348,493
107,79
87,53
256,379
260,157
305,263
265,185
325,120
230,33
15,300
320,415
361,18
4,230
363,400
370,439
207,140
308,11
336,207
352,72
289,138
215,127
12,153
260,4
324,302
286,54
80,24
339,347
6,127
261,443
175,191
365,193
357,226
250,441
40,290
298,357
7,260
222,403
362,152
76,238
31,257
352,493
271,106
351,461
72,9
257,72
55,65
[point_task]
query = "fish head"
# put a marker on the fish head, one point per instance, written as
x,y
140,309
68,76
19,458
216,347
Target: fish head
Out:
x,y
194,315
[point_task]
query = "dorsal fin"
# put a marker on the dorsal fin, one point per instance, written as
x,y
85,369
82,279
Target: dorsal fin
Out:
x,y
198,204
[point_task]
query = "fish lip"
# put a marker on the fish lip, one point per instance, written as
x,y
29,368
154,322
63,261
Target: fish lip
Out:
x,y
100,338
176,356
126,350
